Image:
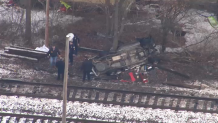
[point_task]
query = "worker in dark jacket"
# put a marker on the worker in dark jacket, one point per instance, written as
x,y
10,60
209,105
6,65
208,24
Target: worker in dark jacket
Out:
x,y
71,52
87,68
147,43
60,66
76,41
53,53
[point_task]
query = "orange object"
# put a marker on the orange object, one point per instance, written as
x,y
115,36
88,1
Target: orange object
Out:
x,y
124,80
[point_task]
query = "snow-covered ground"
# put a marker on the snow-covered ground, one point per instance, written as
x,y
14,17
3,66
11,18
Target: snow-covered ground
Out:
x,y
37,17
100,111
15,71
195,23
17,17
198,29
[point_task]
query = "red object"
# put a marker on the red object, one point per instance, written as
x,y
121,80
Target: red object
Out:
x,y
143,79
11,2
63,9
132,77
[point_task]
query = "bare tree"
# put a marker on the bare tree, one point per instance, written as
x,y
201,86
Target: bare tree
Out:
x,y
169,16
216,9
47,24
115,40
108,16
122,7
28,21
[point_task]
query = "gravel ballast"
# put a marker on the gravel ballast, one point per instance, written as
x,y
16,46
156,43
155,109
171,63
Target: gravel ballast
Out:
x,y
52,107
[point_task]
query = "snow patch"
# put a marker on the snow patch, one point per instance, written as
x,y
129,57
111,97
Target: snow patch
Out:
x,y
11,15
168,49
3,71
198,28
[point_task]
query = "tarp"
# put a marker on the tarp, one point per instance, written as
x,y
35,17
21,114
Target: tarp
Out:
x,y
65,4
213,22
43,48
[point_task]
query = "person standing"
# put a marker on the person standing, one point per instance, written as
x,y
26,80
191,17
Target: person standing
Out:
x,y
60,66
87,68
71,52
147,43
53,53
76,42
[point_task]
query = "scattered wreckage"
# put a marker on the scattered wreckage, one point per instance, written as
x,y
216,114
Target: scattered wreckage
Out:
x,y
127,57
23,53
134,59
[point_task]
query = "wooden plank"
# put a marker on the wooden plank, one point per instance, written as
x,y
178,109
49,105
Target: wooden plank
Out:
x,y
195,104
97,96
25,50
82,94
132,97
187,103
90,49
178,103
90,94
74,94
163,102
18,56
147,99
19,47
140,99
171,102
173,71
212,106
115,97
205,105
183,85
106,96
155,101
123,98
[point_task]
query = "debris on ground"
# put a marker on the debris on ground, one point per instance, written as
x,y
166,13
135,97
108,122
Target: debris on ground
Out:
x,y
24,53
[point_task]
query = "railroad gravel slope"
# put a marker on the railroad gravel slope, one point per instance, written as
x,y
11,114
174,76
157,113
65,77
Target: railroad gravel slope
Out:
x,y
18,69
27,71
50,107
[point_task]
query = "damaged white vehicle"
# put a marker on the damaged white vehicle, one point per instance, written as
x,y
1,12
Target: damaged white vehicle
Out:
x,y
126,57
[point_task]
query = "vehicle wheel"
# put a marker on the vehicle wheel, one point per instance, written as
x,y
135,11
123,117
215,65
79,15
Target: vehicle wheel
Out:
x,y
101,66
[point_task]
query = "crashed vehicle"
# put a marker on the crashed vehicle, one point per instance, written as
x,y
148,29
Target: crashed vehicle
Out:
x,y
127,57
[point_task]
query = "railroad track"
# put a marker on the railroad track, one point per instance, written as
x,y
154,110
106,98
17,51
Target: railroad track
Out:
x,y
108,96
21,118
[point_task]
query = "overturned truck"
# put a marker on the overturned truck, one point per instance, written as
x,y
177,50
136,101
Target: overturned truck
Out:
x,y
126,57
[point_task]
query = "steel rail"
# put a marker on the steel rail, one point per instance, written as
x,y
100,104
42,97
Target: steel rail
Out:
x,y
125,98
